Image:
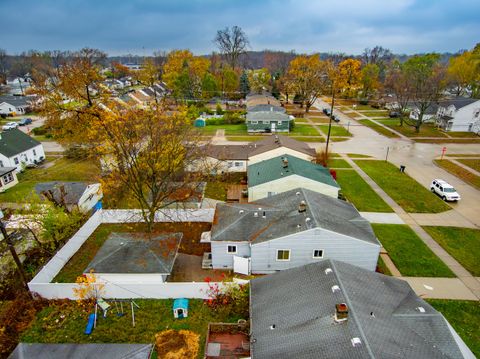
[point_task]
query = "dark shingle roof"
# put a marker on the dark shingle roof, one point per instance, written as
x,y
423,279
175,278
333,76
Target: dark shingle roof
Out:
x,y
267,116
81,351
17,101
230,152
236,222
276,141
265,107
136,253
383,314
272,169
5,170
14,141
73,190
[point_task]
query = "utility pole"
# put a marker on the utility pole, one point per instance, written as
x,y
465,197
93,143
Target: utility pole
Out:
x,y
11,247
331,115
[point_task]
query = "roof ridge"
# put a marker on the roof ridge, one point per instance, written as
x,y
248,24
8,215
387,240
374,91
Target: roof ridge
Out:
x,y
160,238
112,253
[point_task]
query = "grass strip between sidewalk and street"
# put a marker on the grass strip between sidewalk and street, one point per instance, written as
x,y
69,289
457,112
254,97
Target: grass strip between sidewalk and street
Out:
x,y
462,173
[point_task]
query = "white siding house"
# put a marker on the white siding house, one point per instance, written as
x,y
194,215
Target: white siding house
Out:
x,y
17,149
290,230
461,115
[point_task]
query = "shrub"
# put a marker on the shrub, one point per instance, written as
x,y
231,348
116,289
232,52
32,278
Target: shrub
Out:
x,y
219,109
233,117
76,152
39,131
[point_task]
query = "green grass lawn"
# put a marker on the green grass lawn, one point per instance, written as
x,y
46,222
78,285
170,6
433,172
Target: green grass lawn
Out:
x,y
464,316
337,130
319,119
309,139
63,170
357,191
238,129
338,163
463,155
65,323
358,155
250,138
427,130
462,173
304,130
462,134
472,163
404,190
461,243
377,113
381,130
382,268
411,256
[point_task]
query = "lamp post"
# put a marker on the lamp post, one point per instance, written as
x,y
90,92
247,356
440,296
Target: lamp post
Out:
x,y
11,247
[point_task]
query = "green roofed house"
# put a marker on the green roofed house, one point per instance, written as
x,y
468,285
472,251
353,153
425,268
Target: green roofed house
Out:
x,y
283,173
268,121
18,149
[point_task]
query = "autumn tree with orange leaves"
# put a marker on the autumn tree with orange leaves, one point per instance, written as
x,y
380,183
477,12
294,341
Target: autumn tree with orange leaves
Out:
x,y
144,150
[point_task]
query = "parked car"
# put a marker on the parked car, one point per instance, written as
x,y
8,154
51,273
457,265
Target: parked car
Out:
x,y
335,118
25,121
327,111
393,114
9,126
444,190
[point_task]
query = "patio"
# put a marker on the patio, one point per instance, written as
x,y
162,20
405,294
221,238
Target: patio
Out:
x,y
227,341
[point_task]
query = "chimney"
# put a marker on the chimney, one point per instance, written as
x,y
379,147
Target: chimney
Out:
x,y
302,207
285,162
341,312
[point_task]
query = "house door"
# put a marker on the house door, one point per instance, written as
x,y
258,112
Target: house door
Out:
x,y
241,265
274,126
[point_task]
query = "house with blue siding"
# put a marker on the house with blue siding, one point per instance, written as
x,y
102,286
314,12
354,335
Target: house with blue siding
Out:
x,y
291,229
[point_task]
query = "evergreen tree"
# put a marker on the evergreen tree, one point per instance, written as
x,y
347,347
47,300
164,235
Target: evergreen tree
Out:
x,y
244,84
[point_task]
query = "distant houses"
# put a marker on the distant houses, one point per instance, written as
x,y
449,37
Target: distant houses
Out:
x,y
18,149
332,309
14,105
289,230
286,172
265,114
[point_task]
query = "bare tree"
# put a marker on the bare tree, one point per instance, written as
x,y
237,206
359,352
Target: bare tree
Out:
x,y
378,55
3,66
231,42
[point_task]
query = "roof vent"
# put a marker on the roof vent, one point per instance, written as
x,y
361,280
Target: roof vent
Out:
x,y
241,211
308,219
298,193
272,327
335,289
299,225
302,207
328,270
356,342
421,309
341,312
255,214
285,162
259,208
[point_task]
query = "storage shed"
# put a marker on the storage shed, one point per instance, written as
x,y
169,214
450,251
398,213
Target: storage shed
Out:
x,y
180,308
200,122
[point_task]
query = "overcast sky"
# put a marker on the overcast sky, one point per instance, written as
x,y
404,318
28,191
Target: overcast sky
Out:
x,y
143,26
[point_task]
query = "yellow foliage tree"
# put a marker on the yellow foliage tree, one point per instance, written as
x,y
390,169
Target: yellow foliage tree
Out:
x,y
463,72
88,289
349,75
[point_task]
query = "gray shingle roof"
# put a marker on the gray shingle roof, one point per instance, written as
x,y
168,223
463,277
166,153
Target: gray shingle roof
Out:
x,y
17,101
276,141
383,314
73,190
273,169
282,218
136,253
14,142
5,170
267,116
230,152
81,351
265,107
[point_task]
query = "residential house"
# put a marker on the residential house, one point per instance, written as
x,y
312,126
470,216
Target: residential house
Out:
x,y
80,195
336,310
261,99
231,158
18,85
136,257
14,105
81,351
18,149
268,121
276,145
283,173
289,230
8,178
459,114
141,98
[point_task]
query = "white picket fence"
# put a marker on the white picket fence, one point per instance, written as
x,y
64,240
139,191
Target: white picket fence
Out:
x,y
41,283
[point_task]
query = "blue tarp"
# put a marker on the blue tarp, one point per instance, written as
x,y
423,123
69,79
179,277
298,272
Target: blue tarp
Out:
x,y
180,303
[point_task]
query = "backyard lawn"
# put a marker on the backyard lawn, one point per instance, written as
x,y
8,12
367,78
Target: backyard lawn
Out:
x,y
427,130
462,173
371,113
411,256
64,169
461,243
404,190
238,129
337,163
358,192
78,263
304,130
64,322
464,316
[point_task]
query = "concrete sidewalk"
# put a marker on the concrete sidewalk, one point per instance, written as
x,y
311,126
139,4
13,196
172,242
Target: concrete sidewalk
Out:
x,y
440,288
386,218
446,219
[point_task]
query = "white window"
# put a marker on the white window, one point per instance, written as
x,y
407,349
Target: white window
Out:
x,y
231,249
270,194
318,253
7,178
34,152
279,122
254,122
266,122
1,164
283,254
15,160
238,164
